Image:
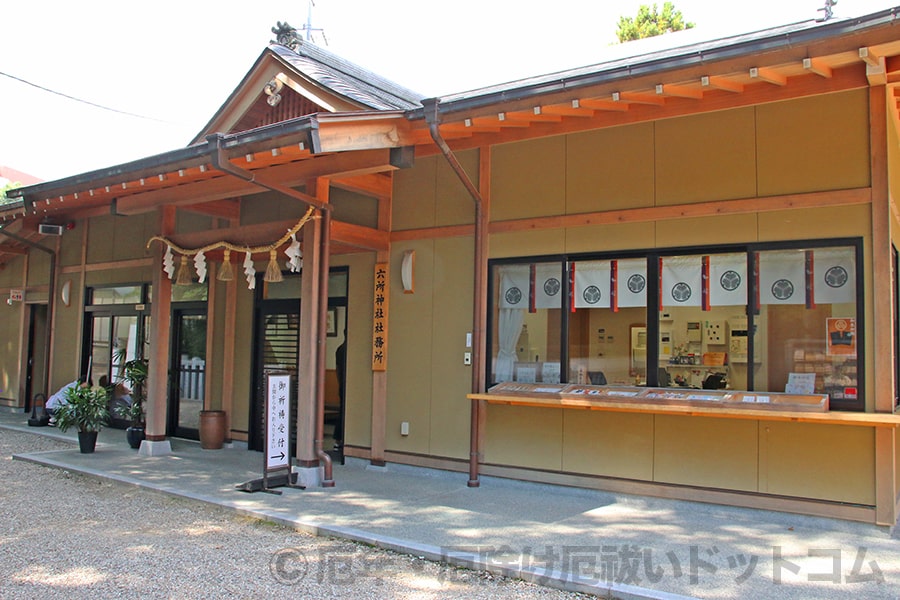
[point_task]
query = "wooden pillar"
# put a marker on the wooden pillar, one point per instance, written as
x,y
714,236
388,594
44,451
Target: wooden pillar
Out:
x,y
228,366
380,378
156,442
881,363
882,360
306,367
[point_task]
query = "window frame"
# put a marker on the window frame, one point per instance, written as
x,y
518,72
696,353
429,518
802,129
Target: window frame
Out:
x,y
653,256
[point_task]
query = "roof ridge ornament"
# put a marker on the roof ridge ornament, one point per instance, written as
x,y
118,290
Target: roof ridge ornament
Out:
x,y
286,36
826,11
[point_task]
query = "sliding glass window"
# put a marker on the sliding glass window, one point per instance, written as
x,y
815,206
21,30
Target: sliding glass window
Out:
x,y
779,317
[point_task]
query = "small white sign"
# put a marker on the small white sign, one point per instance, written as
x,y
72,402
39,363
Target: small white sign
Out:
x,y
801,383
278,420
17,295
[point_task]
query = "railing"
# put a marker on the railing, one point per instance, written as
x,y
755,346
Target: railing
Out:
x,y
192,378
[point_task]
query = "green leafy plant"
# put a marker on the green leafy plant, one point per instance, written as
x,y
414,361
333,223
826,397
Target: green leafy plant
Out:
x,y
136,375
85,409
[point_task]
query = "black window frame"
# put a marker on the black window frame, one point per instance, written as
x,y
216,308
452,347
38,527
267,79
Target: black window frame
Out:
x,y
653,256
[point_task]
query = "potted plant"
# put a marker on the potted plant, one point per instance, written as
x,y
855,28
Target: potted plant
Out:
x,y
85,409
136,376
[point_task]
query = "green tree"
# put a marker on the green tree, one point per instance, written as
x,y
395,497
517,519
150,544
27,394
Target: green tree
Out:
x,y
650,22
5,186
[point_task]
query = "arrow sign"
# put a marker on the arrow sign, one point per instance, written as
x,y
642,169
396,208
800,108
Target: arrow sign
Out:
x,y
278,419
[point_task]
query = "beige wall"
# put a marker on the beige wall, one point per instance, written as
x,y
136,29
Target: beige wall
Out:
x,y
770,457
427,380
358,419
775,149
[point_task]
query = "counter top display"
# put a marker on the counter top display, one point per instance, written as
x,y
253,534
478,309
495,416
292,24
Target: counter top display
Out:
x,y
727,404
670,396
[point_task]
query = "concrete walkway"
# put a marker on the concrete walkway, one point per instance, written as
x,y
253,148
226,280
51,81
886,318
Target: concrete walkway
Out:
x,y
582,540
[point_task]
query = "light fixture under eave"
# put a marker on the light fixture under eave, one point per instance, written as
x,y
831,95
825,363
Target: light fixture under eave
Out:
x,y
407,272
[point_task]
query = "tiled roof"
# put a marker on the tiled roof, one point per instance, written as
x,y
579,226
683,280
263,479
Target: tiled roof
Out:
x,y
347,79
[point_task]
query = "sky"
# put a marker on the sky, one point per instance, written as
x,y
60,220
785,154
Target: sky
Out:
x,y
165,67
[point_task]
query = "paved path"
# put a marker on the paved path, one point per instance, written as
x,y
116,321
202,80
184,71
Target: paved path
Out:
x,y
632,546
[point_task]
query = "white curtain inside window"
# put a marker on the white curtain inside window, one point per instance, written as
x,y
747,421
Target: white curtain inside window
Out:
x,y
509,326
782,277
682,281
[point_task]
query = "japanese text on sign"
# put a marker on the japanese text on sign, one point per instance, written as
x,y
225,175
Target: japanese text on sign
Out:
x,y
380,317
278,418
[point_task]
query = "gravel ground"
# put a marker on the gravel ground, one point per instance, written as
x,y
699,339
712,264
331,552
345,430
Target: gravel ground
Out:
x,y
65,535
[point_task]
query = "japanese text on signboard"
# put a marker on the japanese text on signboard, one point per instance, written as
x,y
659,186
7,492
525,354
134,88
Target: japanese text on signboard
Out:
x,y
278,414
380,318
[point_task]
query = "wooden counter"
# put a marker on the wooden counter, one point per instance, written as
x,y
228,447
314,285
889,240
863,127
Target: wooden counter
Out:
x,y
728,404
757,449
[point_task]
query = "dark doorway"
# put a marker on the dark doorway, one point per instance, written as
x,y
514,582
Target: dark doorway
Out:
x,y
277,349
35,367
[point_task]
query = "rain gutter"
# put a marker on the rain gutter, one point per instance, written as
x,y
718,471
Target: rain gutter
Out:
x,y
432,117
692,55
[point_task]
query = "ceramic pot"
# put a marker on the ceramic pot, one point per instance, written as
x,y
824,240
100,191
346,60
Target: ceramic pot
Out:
x,y
87,441
212,429
134,435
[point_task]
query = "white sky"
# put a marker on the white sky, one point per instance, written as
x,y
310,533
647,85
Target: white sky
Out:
x,y
178,61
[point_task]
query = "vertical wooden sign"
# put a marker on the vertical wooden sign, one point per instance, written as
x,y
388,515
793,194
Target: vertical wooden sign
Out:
x,y
380,317
278,419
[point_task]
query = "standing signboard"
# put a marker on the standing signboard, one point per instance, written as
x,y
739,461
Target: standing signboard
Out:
x,y
277,450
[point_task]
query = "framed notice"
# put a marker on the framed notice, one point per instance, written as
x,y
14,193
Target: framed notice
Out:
x,y
278,419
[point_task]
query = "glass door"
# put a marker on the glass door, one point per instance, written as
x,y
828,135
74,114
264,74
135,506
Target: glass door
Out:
x,y
187,372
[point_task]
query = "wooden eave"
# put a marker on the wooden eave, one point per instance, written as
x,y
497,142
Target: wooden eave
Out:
x,y
870,57
353,151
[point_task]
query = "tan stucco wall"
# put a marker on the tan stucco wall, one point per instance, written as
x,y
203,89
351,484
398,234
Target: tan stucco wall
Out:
x,y
430,194
775,149
427,380
358,419
11,335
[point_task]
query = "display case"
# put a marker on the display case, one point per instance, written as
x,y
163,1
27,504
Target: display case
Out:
x,y
570,394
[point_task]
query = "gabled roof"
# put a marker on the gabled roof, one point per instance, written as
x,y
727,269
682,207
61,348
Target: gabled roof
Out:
x,y
782,63
342,76
330,82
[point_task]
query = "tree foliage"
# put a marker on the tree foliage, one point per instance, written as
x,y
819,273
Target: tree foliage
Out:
x,y
650,22
5,186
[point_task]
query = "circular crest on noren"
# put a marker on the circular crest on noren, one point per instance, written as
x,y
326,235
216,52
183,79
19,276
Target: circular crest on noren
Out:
x,y
782,289
730,280
552,286
513,295
681,292
636,283
592,294
836,276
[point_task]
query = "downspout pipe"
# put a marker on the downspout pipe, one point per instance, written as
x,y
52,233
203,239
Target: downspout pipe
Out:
x,y
220,161
432,118
324,265
50,302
